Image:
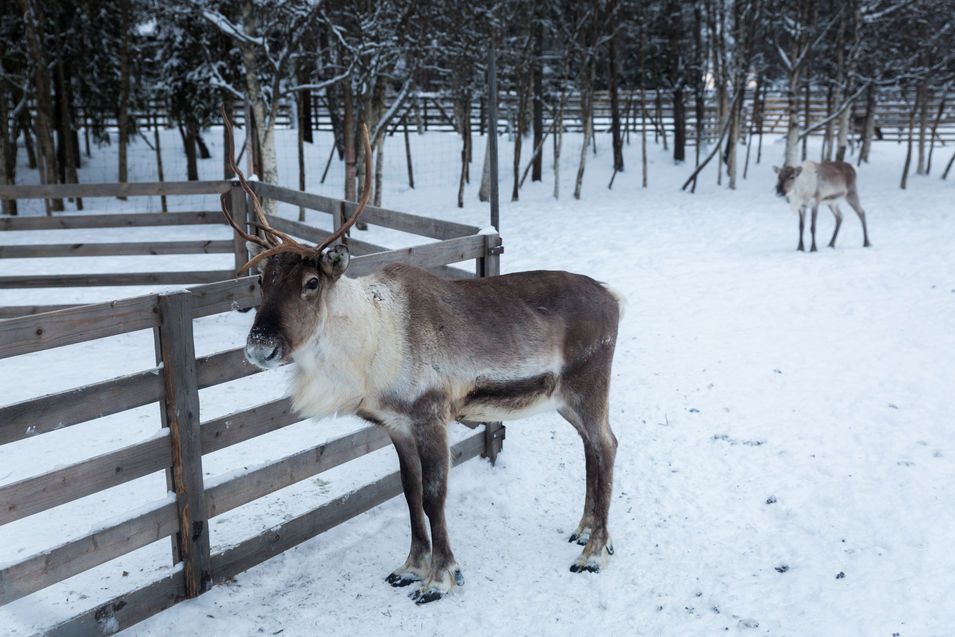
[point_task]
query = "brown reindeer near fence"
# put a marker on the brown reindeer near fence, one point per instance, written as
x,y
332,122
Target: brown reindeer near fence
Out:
x,y
820,182
412,352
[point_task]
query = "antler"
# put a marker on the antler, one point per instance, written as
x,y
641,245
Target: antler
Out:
x,y
276,241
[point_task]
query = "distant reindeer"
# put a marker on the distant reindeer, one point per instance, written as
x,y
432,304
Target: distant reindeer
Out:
x,y
820,182
412,352
858,127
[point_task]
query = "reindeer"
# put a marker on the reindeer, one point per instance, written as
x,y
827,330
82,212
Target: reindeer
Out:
x,y
820,182
411,352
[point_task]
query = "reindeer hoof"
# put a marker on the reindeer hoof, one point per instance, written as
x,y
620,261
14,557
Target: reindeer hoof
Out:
x,y
866,245
580,538
399,580
426,597
584,568
800,249
813,249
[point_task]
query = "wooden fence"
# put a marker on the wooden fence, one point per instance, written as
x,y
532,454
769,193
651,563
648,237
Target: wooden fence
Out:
x,y
174,384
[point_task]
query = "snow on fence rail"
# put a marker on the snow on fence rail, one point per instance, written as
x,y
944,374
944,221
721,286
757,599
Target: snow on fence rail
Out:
x,y
174,384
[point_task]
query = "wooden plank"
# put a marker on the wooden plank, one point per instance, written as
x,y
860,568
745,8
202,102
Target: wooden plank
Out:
x,y
47,490
295,468
122,611
222,367
111,279
413,224
235,428
75,556
238,210
403,221
181,402
128,189
307,200
224,296
288,534
428,255
317,235
76,325
14,311
113,249
63,409
119,220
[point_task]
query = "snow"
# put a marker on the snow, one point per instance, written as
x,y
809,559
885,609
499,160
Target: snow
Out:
x,y
784,419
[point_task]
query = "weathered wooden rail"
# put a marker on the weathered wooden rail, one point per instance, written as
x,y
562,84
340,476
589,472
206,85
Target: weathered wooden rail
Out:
x,y
180,444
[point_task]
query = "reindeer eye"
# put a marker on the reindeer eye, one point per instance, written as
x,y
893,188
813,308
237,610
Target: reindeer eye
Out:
x,y
312,283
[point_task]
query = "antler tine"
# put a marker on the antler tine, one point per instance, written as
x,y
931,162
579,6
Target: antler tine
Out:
x,y
365,195
272,236
305,251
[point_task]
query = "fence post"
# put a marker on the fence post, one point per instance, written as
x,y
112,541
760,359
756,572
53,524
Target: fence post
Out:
x,y
239,211
490,265
182,417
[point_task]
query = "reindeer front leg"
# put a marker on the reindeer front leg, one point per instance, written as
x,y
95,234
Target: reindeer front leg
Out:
x,y
418,564
812,226
432,442
802,225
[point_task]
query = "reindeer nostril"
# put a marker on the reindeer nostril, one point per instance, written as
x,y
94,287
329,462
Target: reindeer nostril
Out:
x,y
275,352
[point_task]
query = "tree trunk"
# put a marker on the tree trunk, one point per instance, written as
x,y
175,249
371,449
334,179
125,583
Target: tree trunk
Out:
x,y
188,135
123,116
807,102
938,119
380,165
923,125
228,105
8,150
264,123
518,140
586,110
537,170
348,134
300,145
869,126
23,123
159,171
792,115
33,18
614,107
408,157
908,153
558,141
643,103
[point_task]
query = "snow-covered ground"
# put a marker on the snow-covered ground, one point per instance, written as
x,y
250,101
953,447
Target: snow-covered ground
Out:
x,y
787,439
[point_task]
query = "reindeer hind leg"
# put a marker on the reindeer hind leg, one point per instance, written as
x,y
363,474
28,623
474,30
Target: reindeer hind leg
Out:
x,y
838,215
853,198
802,225
812,226
586,397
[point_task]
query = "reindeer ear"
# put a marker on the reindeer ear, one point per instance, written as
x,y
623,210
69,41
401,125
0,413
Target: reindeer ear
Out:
x,y
254,249
776,169
334,261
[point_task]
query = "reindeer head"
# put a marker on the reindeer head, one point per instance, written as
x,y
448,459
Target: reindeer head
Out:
x,y
295,277
786,179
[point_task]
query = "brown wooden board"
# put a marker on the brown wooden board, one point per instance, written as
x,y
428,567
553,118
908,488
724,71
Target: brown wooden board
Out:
x,y
145,248
15,311
181,403
222,367
75,556
412,224
47,490
235,428
224,296
124,610
296,197
127,189
427,255
283,537
119,220
117,278
76,325
66,408
291,469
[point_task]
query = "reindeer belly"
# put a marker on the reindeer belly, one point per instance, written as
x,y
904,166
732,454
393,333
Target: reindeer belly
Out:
x,y
509,399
